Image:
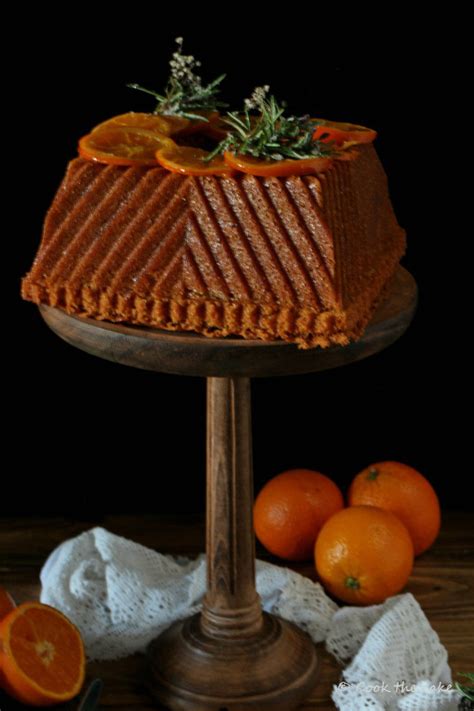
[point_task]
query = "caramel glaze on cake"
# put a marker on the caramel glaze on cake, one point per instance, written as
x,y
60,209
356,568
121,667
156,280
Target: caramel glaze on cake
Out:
x,y
304,259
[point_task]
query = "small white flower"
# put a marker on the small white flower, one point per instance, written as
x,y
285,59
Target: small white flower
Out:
x,y
257,98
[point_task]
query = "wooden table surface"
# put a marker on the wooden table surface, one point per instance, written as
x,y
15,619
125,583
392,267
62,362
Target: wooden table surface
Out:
x,y
442,582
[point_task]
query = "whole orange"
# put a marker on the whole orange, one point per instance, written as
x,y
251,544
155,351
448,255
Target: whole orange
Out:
x,y
290,510
404,491
363,555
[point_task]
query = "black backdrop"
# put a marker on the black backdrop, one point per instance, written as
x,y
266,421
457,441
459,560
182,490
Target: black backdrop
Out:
x,y
85,436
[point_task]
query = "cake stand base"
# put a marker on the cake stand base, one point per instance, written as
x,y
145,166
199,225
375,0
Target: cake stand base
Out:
x,y
233,655
274,669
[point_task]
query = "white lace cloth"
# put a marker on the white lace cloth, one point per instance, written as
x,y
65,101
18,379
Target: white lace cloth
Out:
x,y
121,595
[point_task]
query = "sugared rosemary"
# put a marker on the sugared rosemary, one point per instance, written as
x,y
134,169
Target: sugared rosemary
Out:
x,y
184,92
270,135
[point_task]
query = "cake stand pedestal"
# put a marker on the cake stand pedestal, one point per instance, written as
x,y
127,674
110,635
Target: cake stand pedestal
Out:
x,y
232,655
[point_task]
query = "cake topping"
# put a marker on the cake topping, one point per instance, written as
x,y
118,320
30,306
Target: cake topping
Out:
x,y
123,145
185,95
270,135
187,134
276,168
342,134
167,125
189,160
271,143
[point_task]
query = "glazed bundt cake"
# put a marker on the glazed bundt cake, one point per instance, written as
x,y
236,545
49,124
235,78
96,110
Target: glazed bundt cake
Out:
x,y
253,224
301,258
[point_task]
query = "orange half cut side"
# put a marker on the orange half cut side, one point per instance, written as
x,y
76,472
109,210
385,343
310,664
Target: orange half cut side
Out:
x,y
41,655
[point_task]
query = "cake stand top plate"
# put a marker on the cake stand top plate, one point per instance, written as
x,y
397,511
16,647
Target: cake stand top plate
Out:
x,y
185,353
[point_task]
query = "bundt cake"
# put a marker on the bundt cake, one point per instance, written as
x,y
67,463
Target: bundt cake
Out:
x,y
283,230
299,258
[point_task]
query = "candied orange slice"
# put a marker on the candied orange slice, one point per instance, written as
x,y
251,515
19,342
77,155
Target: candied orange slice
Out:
x,y
121,145
166,125
276,168
343,134
190,161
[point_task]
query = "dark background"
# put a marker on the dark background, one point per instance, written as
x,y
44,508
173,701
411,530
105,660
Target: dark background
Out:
x,y
85,436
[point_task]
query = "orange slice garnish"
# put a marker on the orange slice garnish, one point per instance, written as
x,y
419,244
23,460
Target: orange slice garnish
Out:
x,y
343,134
144,139
42,655
121,145
190,161
276,168
166,125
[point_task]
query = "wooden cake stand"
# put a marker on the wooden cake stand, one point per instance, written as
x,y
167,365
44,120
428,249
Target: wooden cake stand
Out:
x,y
232,655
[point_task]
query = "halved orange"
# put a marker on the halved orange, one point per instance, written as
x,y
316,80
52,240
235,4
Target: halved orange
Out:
x,y
190,161
157,123
123,145
276,168
41,655
343,134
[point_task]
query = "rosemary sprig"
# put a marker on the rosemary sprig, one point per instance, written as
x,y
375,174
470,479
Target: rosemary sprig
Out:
x,y
184,92
271,135
465,690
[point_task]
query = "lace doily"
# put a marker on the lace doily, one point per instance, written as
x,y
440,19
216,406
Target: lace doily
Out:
x,y
121,595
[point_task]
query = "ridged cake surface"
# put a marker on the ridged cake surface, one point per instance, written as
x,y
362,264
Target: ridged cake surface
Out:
x,y
304,259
